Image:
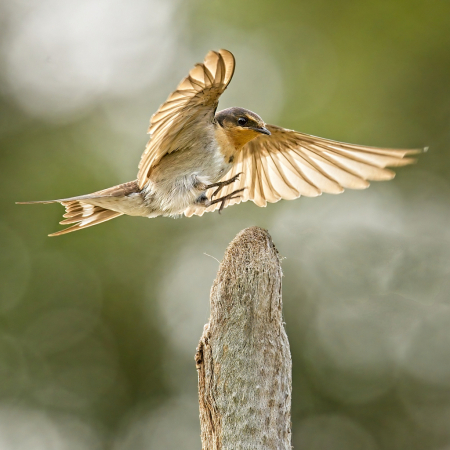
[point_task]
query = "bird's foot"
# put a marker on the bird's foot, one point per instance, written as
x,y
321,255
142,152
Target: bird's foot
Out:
x,y
221,184
223,199
202,199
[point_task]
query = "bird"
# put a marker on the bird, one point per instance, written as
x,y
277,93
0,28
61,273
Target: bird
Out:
x,y
198,160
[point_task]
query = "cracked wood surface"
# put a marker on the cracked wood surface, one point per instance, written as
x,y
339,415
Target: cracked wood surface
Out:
x,y
243,358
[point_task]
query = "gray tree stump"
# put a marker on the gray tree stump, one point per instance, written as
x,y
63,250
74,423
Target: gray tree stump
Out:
x,y
243,358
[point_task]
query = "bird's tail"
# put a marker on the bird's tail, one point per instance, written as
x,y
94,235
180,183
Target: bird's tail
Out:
x,y
83,214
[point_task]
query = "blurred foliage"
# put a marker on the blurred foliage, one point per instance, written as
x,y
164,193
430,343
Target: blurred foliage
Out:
x,y
98,328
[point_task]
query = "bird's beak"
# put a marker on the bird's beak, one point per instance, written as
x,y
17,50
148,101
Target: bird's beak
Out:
x,y
262,130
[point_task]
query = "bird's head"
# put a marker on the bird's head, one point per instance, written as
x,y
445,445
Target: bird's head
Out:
x,y
241,125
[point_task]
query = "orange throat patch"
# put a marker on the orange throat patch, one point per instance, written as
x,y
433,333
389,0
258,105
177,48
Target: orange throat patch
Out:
x,y
232,140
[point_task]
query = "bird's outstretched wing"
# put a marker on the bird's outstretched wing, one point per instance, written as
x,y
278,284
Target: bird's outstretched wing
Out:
x,y
289,164
181,119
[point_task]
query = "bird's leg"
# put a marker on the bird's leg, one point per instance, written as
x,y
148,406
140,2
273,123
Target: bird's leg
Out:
x,y
221,184
223,199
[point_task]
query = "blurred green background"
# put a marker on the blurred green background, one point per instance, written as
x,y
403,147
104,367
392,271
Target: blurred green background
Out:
x,y
98,328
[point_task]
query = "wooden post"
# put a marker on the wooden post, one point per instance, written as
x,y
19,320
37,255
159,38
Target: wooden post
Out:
x,y
243,358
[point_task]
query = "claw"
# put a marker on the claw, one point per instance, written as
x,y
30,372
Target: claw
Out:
x,y
222,200
221,184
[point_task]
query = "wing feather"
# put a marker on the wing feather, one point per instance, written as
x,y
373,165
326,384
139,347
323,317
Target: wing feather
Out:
x,y
187,111
270,193
297,177
288,164
278,173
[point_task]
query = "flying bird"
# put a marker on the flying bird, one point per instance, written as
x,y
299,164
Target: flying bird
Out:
x,y
198,160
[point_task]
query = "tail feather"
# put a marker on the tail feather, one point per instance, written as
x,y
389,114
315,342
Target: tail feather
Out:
x,y
37,201
84,215
85,212
66,200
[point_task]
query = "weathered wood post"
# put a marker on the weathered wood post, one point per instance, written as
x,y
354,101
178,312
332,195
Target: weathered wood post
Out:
x,y
243,358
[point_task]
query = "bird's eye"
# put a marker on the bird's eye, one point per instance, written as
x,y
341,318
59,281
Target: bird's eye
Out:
x,y
242,121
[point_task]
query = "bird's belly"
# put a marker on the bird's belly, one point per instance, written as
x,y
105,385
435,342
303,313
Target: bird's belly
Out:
x,y
179,179
212,169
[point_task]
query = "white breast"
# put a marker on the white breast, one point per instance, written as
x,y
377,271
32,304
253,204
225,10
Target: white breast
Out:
x,y
173,184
